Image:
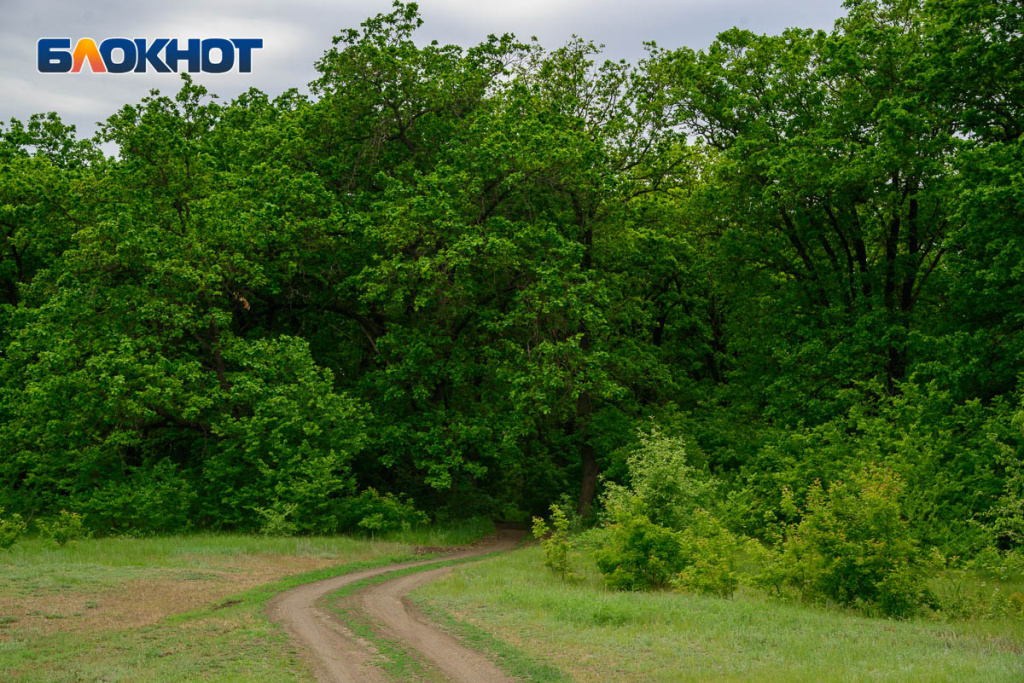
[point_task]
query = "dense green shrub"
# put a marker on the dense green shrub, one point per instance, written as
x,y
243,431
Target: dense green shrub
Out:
x,y
11,528
373,513
711,556
287,439
1006,518
64,528
155,499
276,520
639,555
854,548
948,455
662,486
554,541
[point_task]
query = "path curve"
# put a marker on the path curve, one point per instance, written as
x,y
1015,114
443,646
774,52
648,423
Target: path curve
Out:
x,y
387,603
339,656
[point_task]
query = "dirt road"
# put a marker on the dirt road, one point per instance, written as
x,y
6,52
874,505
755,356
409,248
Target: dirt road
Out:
x,y
338,655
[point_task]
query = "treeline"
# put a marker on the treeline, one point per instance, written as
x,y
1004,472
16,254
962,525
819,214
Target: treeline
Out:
x,y
471,275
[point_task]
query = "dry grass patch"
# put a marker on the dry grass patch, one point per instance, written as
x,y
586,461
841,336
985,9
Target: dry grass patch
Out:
x,y
137,602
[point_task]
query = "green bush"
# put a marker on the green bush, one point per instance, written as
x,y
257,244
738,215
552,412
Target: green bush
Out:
x,y
373,513
710,557
975,589
555,542
1006,518
958,464
639,555
11,528
663,487
155,499
64,528
275,519
854,548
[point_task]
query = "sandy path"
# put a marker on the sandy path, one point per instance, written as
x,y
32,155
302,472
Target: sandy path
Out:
x,y
387,604
338,655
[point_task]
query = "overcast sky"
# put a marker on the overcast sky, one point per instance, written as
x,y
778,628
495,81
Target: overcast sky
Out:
x,y
297,32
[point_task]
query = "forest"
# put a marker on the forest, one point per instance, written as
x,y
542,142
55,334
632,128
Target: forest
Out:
x,y
760,283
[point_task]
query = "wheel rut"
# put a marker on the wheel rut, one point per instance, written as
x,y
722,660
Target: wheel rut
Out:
x,y
339,656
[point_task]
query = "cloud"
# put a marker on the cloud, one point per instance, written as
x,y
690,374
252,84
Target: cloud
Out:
x,y
296,34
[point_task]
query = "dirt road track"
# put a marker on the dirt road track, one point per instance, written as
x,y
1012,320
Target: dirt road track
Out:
x,y
339,656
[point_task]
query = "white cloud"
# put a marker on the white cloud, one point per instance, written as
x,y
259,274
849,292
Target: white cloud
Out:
x,y
296,34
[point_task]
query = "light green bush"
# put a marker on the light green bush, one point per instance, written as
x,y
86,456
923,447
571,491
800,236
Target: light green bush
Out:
x,y
711,556
554,541
373,513
854,548
663,487
64,528
276,520
11,528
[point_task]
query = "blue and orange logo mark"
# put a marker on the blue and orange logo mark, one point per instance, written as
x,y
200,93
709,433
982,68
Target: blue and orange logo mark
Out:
x,y
137,55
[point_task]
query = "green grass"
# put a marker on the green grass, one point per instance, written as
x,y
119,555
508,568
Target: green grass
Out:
x,y
35,567
228,640
597,635
455,533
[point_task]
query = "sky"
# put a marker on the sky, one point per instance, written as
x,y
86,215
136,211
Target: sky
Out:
x,y
296,33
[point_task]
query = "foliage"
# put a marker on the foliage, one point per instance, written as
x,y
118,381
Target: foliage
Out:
x,y
373,513
63,528
275,519
662,486
853,547
711,556
1006,518
152,500
469,273
555,542
11,528
948,456
639,555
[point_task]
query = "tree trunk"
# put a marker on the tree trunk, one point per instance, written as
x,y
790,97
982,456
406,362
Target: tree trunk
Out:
x,y
588,462
588,484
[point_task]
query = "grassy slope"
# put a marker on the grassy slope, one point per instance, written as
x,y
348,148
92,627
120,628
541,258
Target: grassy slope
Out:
x,y
232,643
596,635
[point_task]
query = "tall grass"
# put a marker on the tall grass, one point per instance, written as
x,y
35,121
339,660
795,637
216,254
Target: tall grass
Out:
x,y
188,550
462,532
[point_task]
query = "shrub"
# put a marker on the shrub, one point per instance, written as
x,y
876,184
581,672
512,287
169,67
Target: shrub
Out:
x,y
955,460
853,547
11,528
710,555
64,528
154,499
640,554
373,513
663,487
275,519
555,542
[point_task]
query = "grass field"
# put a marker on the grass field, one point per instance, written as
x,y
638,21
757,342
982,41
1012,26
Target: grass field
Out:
x,y
588,633
192,608
174,608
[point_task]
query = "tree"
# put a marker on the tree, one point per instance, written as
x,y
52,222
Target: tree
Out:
x,y
829,195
